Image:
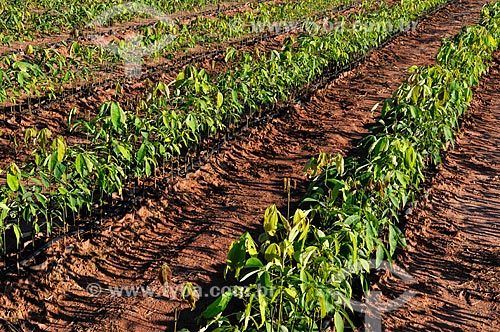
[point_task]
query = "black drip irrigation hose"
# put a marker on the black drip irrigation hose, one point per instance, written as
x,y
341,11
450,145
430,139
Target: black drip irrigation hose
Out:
x,y
35,104
189,167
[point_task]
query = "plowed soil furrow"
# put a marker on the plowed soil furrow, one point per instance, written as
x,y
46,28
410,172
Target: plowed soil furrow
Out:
x,y
454,247
190,224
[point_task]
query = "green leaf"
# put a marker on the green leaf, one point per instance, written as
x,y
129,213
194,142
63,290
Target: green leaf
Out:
x,y
415,92
59,170
117,115
220,99
448,135
45,180
5,210
41,198
63,190
13,181
230,52
234,95
191,122
402,178
147,167
379,255
180,77
80,165
378,146
265,280
29,134
248,310
22,66
236,256
352,219
298,216
395,237
190,295
339,322
253,262
250,245
273,253
60,148
18,233
291,293
218,306
410,157
322,303
262,307
123,151
141,153
271,220
339,163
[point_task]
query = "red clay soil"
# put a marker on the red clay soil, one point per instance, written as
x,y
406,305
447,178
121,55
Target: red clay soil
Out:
x,y
190,223
454,235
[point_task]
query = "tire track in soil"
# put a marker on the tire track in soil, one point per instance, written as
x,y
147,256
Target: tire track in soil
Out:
x,y
454,237
191,224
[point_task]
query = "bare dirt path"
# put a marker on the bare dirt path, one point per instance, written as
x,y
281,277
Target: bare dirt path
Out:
x,y
190,224
454,237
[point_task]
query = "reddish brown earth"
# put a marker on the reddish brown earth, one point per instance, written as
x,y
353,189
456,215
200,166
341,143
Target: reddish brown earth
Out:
x,y
190,223
454,235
